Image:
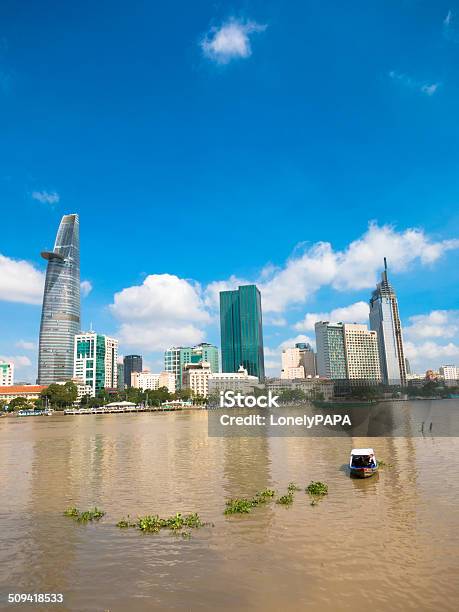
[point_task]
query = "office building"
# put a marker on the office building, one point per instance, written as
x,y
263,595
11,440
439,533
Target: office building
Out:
x,y
120,370
313,387
148,380
298,362
95,362
132,363
6,373
385,320
331,354
176,357
196,376
241,330
240,381
448,372
28,392
362,354
60,317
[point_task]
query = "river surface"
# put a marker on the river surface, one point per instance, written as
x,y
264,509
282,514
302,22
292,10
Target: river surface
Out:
x,y
390,542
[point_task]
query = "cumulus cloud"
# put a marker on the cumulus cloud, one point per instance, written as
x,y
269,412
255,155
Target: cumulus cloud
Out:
x,y
436,324
20,361
354,313
230,41
421,86
20,281
431,354
85,287
163,311
46,197
353,268
26,345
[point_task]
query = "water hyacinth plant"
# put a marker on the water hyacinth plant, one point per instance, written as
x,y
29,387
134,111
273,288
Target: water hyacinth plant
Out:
x,y
243,505
285,500
292,487
94,514
153,523
316,490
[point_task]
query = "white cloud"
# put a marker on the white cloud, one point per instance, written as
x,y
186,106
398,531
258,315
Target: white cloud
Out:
x,y
20,361
163,311
447,20
424,87
26,345
430,354
354,268
436,324
354,313
85,287
230,41
20,281
46,197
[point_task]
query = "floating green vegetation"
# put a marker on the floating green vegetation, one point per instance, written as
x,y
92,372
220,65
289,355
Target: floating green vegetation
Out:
x,y
153,523
292,487
285,500
316,490
383,464
83,517
243,505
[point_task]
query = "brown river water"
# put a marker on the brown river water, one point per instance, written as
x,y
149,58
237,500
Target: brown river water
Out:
x,y
390,542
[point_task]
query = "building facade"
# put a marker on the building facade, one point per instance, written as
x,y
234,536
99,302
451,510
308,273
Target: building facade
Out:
x,y
314,387
6,373
196,377
148,380
385,320
132,363
241,329
298,362
232,381
331,353
176,357
95,363
362,353
120,370
28,392
60,318
448,372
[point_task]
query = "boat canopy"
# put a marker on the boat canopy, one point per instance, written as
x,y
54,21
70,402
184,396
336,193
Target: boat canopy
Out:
x,y
362,451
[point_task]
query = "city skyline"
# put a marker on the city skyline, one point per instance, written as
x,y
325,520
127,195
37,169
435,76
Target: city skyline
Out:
x,y
324,163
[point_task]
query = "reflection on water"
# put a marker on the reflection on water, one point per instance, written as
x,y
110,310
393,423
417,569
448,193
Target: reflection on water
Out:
x,y
389,542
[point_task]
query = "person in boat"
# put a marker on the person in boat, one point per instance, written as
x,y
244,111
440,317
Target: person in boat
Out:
x,y
371,462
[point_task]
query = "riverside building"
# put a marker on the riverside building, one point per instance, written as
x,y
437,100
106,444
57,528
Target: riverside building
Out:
x,y
241,330
176,357
298,362
95,363
196,377
6,373
60,317
385,320
148,380
362,355
132,363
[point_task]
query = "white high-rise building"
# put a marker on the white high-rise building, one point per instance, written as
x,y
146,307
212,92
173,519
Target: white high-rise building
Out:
x,y
362,355
95,362
148,380
196,377
298,362
449,372
6,373
385,319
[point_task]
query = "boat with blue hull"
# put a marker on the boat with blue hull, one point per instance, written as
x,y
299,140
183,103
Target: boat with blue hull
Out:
x,y
363,463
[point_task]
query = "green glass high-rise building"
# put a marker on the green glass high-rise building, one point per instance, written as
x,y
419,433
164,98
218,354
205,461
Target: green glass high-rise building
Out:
x,y
176,357
241,329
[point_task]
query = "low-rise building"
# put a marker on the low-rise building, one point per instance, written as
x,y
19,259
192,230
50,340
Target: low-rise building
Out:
x,y
6,373
314,387
149,380
450,373
195,377
28,392
232,381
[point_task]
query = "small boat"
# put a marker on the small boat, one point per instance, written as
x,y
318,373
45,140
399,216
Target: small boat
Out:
x,y
363,463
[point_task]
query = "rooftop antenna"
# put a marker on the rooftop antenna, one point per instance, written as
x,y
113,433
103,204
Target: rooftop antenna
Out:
x,y
385,264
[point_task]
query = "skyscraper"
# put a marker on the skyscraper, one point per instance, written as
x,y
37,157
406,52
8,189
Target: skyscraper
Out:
x,y
385,319
95,361
176,357
331,353
60,317
242,331
132,363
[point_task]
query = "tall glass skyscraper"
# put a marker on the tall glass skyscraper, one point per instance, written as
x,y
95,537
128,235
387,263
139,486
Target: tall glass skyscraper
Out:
x,y
241,331
132,363
176,357
60,317
385,319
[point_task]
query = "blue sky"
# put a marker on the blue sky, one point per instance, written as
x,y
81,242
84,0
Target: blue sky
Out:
x,y
205,144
